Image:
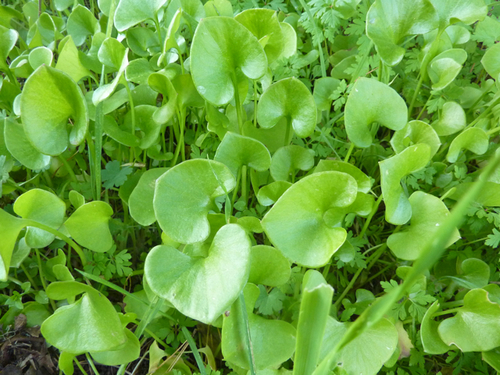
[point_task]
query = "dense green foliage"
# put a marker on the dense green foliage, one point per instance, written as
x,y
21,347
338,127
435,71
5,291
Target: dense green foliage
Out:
x,y
280,187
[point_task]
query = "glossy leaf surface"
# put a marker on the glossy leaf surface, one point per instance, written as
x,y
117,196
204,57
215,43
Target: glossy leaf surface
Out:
x,y
472,139
296,225
289,160
268,266
413,133
141,200
372,101
202,288
129,12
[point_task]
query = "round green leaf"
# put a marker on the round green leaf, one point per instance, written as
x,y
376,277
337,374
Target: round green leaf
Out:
x,y
90,324
44,207
367,353
288,160
452,119
389,22
431,341
472,139
131,12
372,101
185,194
88,226
474,274
397,206
81,23
491,61
323,89
268,266
458,34
141,199
10,227
8,39
188,96
20,147
128,353
221,47
40,56
269,194
413,133
363,181
476,326
50,98
273,341
264,24
272,138
111,53
202,288
236,151
69,60
288,99
445,67
453,11
296,224
427,214
160,83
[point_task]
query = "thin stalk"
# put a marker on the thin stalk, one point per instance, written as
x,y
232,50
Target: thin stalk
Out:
x,y
348,288
247,338
349,152
69,241
239,112
80,366
29,277
91,151
446,312
40,273
369,218
158,28
318,32
244,191
132,113
68,168
287,132
235,191
493,131
91,363
255,104
98,134
195,351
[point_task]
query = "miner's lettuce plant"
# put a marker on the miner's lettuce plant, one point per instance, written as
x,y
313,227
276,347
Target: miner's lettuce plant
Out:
x,y
314,186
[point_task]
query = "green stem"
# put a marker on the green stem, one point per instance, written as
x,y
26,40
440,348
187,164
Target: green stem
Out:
x,y
446,312
40,273
91,363
91,151
158,28
348,288
29,277
80,366
255,104
318,32
239,112
195,351
69,241
98,133
287,132
244,190
349,152
493,131
68,168
235,191
369,218
246,330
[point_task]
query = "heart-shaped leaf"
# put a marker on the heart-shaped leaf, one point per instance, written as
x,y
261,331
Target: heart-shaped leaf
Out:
x,y
296,225
476,326
288,160
44,207
128,353
221,47
202,288
69,60
363,181
367,352
264,24
472,139
10,227
188,96
453,11
90,324
451,120
130,12
50,98
40,56
269,194
88,226
288,99
397,206
413,133
268,266
141,199
81,23
272,138
445,67
236,151
323,89
431,341
427,214
8,39
273,340
160,83
372,101
389,22
184,195
491,60
20,147
474,274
